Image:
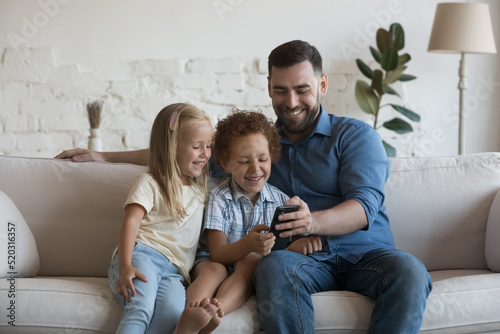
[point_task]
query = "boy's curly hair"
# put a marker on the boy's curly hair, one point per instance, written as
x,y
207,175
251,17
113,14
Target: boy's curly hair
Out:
x,y
242,123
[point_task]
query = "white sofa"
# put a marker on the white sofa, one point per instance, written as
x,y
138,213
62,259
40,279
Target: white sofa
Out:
x,y
446,211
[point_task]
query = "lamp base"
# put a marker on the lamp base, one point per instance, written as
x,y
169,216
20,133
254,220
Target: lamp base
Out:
x,y
462,86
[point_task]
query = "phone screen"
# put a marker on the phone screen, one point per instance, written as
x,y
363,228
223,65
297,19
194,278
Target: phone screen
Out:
x,y
281,243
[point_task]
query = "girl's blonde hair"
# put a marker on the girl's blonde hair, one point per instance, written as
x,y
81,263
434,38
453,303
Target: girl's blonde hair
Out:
x,y
163,166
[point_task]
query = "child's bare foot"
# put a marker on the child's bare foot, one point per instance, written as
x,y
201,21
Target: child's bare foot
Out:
x,y
196,316
216,319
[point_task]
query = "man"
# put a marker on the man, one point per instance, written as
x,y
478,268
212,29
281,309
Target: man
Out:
x,y
336,168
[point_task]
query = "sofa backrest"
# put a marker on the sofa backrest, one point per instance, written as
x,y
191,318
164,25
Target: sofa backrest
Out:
x,y
74,210
438,207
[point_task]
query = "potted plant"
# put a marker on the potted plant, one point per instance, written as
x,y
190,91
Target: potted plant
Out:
x,y
392,65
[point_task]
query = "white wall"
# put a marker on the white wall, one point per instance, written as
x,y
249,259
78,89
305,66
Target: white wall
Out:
x,y
140,55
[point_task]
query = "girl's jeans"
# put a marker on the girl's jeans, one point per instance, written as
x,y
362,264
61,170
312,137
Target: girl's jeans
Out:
x,y
159,302
398,281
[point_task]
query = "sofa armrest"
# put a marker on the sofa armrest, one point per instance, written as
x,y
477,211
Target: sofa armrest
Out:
x,y
492,245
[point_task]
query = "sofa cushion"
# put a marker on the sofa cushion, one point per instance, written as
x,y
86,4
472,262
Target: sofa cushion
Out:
x,y
492,247
446,205
463,301
62,305
75,210
18,247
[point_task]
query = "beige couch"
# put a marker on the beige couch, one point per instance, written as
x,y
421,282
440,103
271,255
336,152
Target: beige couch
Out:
x,y
446,211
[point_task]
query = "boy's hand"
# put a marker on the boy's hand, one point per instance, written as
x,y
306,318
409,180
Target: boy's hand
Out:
x,y
306,246
260,243
125,281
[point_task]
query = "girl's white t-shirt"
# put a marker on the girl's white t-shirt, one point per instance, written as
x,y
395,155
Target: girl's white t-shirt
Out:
x,y
176,239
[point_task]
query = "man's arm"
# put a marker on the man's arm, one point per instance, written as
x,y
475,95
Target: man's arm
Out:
x,y
342,219
139,157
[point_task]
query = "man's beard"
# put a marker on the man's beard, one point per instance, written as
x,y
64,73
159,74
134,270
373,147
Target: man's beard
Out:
x,y
306,123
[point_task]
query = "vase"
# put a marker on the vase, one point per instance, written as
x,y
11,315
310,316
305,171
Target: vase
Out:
x,y
95,141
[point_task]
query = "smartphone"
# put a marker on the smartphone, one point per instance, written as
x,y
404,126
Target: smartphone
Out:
x,y
281,243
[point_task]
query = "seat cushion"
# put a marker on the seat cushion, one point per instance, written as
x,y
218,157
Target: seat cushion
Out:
x,y
462,301
61,305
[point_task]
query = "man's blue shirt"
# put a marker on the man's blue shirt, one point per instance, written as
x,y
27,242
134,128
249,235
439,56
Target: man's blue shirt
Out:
x,y
342,159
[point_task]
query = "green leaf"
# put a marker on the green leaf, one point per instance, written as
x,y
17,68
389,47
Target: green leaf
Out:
x,y
407,112
377,80
366,98
398,36
389,59
390,150
403,59
393,76
390,90
407,77
376,54
398,125
365,69
384,40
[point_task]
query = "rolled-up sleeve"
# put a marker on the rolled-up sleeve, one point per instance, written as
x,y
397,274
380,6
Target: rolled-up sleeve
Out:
x,y
364,169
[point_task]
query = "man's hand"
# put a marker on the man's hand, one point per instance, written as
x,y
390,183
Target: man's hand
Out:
x,y
260,243
300,222
306,246
125,281
81,155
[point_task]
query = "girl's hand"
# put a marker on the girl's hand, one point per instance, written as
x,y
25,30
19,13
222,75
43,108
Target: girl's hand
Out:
x,y
306,246
127,274
260,243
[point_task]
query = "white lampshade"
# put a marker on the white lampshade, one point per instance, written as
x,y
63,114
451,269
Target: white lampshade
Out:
x,y
462,27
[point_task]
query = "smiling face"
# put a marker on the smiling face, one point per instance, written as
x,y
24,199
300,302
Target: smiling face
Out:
x,y
193,150
295,92
249,164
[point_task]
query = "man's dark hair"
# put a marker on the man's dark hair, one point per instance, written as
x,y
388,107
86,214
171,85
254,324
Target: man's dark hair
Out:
x,y
295,52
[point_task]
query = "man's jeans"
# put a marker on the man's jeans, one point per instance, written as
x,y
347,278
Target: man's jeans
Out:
x,y
398,281
159,302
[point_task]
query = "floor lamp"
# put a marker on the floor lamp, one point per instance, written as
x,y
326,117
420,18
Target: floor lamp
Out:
x,y
462,28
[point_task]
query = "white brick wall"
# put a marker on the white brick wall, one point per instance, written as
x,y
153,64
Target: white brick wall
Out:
x,y
43,104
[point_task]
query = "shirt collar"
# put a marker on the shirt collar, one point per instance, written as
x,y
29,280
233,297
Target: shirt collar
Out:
x,y
322,127
237,195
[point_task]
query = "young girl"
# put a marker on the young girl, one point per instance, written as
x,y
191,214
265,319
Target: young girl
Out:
x,y
238,210
162,224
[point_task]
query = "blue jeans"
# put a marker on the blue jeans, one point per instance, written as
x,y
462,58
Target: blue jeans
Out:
x,y
159,302
396,280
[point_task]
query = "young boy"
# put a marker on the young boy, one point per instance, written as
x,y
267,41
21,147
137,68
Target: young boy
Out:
x,y
238,210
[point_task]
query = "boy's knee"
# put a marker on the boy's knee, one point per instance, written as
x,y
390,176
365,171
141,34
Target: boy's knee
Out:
x,y
215,269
